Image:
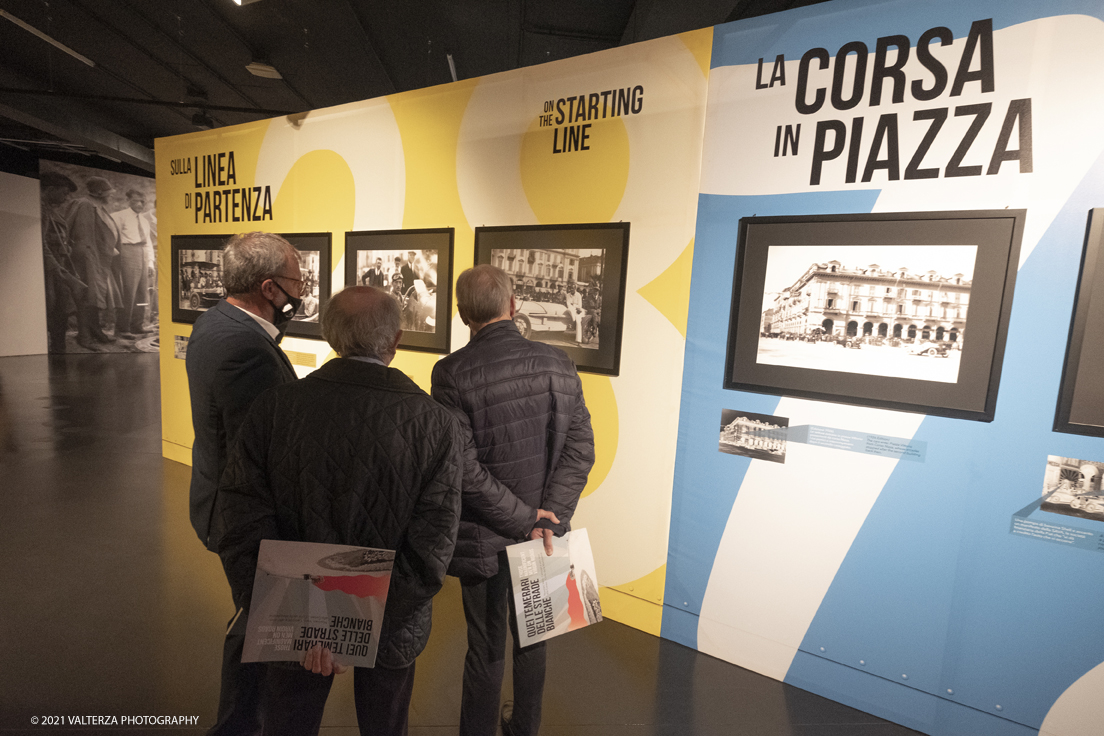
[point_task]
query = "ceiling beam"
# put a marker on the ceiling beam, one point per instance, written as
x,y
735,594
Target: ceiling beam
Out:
x,y
45,117
370,47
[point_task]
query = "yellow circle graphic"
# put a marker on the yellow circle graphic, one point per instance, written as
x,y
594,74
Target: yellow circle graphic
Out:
x,y
575,173
602,404
318,195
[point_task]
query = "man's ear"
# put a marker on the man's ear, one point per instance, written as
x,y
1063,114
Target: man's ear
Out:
x,y
463,317
390,354
513,306
268,289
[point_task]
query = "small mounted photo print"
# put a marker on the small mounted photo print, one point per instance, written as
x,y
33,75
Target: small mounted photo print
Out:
x,y
758,436
1073,487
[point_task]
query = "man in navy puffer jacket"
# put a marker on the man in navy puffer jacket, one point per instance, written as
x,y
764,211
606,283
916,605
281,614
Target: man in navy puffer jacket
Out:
x,y
532,449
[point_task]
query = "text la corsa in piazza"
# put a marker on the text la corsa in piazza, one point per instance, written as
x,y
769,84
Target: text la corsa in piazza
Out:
x,y
816,87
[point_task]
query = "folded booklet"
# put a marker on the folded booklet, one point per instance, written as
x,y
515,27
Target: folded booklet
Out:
x,y
557,594
306,594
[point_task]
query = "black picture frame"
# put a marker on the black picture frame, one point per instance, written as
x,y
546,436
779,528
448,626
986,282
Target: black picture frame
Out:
x,y
967,390
191,298
429,305
1080,408
196,270
523,253
314,248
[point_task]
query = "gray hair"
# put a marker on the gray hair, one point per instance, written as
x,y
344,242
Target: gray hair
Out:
x,y
250,258
483,293
360,321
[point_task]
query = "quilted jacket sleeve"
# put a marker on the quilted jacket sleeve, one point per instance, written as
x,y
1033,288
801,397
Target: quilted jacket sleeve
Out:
x,y
494,505
430,538
569,477
245,509
423,556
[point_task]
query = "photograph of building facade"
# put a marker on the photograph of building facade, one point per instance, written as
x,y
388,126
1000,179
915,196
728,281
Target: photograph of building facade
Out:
x,y
834,299
753,435
541,269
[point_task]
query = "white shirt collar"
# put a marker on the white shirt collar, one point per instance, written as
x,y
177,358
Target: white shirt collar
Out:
x,y
368,359
268,326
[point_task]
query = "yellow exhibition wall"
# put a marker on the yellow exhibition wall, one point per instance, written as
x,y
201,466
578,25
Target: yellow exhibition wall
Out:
x,y
480,152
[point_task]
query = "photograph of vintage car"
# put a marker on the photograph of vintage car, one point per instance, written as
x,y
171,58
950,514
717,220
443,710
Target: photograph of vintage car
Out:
x,y
1072,487
569,285
557,294
196,269
200,279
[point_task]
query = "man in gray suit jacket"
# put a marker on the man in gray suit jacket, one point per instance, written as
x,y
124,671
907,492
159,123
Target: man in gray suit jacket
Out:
x,y
233,356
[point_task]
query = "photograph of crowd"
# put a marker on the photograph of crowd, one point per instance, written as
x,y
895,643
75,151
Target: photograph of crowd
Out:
x,y
758,436
410,277
835,308
1072,487
558,293
99,243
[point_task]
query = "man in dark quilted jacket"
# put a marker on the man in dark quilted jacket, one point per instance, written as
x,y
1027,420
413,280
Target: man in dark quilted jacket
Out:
x,y
357,454
530,452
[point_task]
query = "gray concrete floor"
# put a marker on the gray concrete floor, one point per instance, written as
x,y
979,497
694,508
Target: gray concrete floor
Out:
x,y
110,606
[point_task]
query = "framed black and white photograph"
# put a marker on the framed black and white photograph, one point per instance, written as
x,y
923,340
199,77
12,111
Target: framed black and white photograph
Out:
x,y
569,285
905,311
196,275
758,436
1081,393
315,269
415,268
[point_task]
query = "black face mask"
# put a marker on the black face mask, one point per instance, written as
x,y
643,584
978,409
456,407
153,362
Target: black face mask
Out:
x,y
283,315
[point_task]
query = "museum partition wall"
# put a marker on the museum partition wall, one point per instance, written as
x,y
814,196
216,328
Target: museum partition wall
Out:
x,y
612,141
849,433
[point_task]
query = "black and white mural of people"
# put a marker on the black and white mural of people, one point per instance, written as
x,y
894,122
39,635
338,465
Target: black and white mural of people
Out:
x,y
99,242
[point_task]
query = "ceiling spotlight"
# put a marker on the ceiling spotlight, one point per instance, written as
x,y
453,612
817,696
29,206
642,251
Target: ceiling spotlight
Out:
x,y
260,69
244,2
202,121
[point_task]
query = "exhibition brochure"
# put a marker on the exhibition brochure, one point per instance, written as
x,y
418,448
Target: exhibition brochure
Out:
x,y
328,594
554,594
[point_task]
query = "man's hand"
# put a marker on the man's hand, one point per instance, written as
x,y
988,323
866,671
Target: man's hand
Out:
x,y
542,514
319,660
546,535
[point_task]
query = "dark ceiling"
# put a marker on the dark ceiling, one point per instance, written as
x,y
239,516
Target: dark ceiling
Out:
x,y
155,67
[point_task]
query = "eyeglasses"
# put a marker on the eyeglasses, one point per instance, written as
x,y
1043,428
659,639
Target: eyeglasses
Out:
x,y
303,287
